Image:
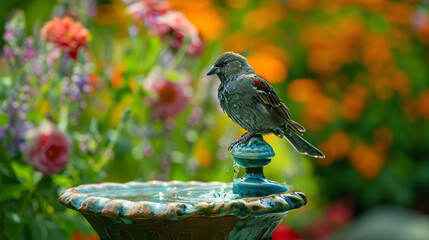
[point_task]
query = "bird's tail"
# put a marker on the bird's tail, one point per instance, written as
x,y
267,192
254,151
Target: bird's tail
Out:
x,y
302,146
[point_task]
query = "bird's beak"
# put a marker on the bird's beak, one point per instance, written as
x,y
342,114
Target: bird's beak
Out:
x,y
213,70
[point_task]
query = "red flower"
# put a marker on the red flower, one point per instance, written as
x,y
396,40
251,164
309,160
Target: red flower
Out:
x,y
340,212
67,34
88,236
284,232
171,97
48,149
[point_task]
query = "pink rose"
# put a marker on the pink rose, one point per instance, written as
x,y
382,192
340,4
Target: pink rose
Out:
x,y
48,149
147,9
182,28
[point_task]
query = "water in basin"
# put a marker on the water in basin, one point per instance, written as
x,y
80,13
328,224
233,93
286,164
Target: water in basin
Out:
x,y
161,194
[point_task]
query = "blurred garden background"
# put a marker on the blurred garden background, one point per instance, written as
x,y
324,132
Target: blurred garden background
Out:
x,y
94,91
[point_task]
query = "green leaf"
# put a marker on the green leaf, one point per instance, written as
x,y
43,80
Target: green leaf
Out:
x,y
4,119
38,229
54,231
61,180
76,221
12,225
11,191
23,172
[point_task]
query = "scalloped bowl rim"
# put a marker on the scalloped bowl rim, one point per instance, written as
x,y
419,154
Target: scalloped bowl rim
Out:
x,y
79,198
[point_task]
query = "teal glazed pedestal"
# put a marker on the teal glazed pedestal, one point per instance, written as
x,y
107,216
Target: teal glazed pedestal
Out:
x,y
253,156
249,208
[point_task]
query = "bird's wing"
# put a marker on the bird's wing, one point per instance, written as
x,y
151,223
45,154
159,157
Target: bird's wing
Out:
x,y
267,96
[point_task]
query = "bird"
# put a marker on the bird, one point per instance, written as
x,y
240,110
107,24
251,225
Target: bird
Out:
x,y
250,101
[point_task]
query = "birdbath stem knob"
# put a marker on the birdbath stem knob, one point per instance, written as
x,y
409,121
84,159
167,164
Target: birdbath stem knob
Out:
x,y
253,156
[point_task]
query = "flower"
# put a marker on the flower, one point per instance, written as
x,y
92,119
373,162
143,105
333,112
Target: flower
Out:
x,y
284,232
171,98
202,154
303,90
17,108
181,29
332,46
207,18
48,149
148,10
86,236
162,21
272,12
316,118
67,34
367,160
383,138
75,86
337,146
420,25
423,106
376,53
340,212
353,102
8,53
270,63
399,12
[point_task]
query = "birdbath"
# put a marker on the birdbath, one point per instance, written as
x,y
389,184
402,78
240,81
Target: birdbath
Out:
x,y
248,208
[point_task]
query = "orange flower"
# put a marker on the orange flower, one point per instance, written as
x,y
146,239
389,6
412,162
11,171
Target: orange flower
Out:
x,y
423,105
208,19
381,84
116,78
377,54
302,5
318,112
331,46
337,146
236,4
269,66
353,102
202,154
67,34
269,13
399,12
234,42
373,5
210,22
400,38
367,160
383,138
269,61
389,80
399,81
303,90
324,59
411,109
94,81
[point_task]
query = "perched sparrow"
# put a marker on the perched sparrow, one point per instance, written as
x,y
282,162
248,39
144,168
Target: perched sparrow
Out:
x,y
251,101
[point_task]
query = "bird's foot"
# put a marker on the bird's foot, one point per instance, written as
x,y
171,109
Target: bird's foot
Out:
x,y
242,139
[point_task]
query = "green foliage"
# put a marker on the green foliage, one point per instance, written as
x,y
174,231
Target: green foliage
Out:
x,y
353,73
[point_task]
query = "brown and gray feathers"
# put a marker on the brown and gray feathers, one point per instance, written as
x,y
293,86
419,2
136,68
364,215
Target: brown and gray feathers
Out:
x,y
267,96
229,57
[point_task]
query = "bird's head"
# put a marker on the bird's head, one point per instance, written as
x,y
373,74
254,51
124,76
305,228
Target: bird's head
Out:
x,y
230,64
